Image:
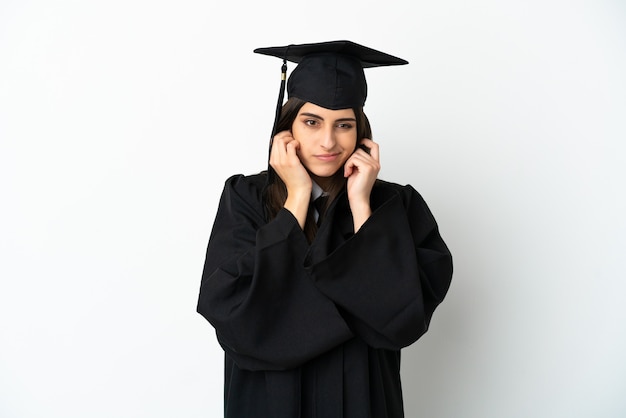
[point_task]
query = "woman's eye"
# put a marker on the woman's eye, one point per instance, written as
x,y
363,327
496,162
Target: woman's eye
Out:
x,y
310,122
345,126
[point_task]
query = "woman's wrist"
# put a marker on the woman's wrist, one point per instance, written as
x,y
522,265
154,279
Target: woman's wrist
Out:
x,y
298,204
361,211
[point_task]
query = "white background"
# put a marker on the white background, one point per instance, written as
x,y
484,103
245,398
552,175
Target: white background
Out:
x,y
120,121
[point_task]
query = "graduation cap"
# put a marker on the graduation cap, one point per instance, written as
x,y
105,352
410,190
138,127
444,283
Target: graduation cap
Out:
x,y
328,74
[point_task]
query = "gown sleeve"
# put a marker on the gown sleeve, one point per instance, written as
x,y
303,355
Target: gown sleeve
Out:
x,y
267,313
388,278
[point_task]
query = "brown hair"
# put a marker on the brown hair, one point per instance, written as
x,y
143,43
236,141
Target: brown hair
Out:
x,y
276,192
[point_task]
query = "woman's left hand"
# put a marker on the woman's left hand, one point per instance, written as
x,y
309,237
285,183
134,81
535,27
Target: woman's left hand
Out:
x,y
362,169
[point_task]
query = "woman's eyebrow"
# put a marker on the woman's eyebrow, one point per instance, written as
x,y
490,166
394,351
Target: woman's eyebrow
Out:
x,y
311,115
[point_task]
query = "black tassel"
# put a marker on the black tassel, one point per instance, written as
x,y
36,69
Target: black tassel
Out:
x,y
279,106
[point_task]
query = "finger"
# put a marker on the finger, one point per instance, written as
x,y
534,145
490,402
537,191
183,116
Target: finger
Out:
x,y
373,148
283,134
364,162
278,150
292,147
280,142
348,167
278,154
283,137
363,145
287,137
363,158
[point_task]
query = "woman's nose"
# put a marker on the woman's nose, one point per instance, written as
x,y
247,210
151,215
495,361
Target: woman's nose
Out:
x,y
328,140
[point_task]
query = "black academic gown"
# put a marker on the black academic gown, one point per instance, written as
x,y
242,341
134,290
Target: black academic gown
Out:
x,y
316,330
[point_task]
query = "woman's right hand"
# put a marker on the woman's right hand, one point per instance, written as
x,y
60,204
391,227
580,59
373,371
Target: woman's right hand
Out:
x,y
285,161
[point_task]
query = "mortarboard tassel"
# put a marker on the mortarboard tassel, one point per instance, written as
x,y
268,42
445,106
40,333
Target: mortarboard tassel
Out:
x,y
279,106
281,95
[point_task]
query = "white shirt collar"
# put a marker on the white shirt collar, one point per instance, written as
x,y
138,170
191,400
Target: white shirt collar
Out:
x,y
316,191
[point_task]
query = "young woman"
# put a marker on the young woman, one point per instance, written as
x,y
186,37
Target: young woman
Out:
x,y
312,303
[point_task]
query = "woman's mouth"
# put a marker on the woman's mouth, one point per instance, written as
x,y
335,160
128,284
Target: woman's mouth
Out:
x,y
327,157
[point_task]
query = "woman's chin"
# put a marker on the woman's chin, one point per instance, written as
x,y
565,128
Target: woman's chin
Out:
x,y
322,174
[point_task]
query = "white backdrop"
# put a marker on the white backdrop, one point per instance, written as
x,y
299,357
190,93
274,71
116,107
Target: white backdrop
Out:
x,y
120,121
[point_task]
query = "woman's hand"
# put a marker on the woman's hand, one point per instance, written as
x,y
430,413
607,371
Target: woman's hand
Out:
x,y
362,169
284,160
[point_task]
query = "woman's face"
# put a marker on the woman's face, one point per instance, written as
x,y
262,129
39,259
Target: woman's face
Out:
x,y
327,138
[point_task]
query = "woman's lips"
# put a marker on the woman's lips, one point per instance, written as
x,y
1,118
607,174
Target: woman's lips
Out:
x,y
327,157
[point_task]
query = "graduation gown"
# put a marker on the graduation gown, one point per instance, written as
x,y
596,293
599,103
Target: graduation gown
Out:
x,y
316,330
